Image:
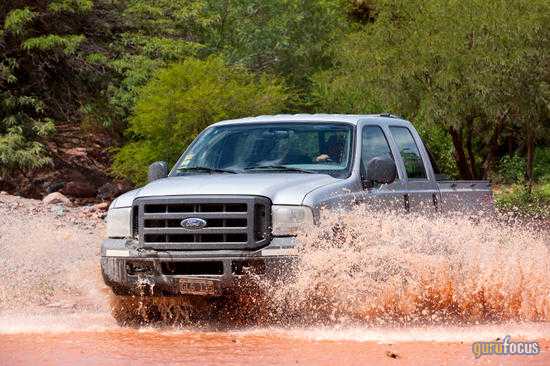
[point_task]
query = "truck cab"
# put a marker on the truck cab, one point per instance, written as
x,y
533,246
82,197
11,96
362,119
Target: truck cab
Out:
x,y
240,193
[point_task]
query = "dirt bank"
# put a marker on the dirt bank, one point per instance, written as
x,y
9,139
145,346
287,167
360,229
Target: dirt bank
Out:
x,y
80,168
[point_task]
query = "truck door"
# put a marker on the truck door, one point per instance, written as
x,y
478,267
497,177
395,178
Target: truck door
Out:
x,y
422,191
374,143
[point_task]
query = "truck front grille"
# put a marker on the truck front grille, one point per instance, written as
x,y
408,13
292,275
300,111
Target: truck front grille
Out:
x,y
232,222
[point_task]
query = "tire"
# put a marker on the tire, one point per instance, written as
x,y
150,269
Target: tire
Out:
x,y
137,311
120,291
133,311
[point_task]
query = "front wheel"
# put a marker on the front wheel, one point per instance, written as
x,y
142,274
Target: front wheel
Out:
x,y
133,311
136,311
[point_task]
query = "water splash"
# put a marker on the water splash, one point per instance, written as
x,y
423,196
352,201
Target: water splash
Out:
x,y
359,268
373,267
49,268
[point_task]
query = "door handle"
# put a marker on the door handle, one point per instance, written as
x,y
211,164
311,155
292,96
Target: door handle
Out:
x,y
407,202
435,201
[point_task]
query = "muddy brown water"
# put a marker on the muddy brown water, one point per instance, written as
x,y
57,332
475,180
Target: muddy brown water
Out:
x,y
68,337
367,290
108,345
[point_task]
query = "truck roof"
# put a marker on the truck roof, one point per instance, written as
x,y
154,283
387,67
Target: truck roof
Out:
x,y
347,118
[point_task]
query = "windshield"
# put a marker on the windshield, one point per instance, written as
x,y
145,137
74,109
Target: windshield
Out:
x,y
278,147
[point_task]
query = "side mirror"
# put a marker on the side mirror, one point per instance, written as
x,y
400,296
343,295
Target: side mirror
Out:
x,y
380,170
157,170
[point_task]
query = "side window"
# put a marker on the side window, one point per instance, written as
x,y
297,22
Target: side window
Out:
x,y
373,144
409,152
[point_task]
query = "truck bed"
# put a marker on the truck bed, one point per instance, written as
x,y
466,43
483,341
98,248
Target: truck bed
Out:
x,y
473,196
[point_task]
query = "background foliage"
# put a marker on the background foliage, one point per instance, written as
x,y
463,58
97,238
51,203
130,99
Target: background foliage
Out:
x,y
473,75
182,100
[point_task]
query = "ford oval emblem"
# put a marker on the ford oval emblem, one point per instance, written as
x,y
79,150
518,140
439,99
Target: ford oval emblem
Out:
x,y
193,223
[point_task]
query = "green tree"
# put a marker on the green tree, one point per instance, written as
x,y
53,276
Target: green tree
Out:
x,y
183,99
45,72
151,34
288,38
470,68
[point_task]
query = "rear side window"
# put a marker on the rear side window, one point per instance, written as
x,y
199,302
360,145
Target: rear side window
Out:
x,y
374,143
409,152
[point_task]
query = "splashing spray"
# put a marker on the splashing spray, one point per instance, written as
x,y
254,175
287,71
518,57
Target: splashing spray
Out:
x,y
371,267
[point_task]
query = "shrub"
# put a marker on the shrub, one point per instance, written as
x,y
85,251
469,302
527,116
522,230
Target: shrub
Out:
x,y
511,169
541,167
21,130
183,99
516,199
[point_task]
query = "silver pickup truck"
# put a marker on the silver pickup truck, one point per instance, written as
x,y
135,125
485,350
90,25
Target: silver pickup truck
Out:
x,y
241,191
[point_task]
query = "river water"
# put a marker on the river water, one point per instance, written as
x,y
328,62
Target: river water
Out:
x,y
367,289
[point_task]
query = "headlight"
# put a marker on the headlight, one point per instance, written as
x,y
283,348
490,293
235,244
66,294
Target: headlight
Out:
x,y
288,220
118,222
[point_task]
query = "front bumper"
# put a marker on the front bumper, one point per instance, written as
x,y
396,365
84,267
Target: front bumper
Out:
x,y
130,270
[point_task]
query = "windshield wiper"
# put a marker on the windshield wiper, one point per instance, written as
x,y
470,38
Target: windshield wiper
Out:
x,y
205,169
279,167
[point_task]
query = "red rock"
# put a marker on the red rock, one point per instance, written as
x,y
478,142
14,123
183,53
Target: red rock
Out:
x,y
101,206
76,151
54,198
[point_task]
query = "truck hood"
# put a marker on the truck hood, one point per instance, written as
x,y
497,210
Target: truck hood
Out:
x,y
281,188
